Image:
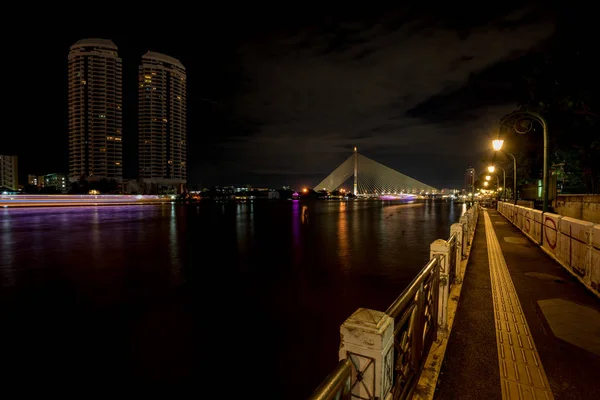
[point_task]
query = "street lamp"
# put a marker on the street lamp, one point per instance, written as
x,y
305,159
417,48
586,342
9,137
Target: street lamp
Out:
x,y
522,123
487,177
497,145
492,168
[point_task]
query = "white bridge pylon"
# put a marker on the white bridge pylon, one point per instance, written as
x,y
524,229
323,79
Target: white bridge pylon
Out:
x,y
372,178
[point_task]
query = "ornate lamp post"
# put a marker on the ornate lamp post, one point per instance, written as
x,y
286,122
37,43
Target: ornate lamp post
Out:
x,y
522,123
491,169
497,145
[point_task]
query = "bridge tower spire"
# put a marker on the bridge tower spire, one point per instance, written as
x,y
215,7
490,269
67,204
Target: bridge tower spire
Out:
x,y
355,171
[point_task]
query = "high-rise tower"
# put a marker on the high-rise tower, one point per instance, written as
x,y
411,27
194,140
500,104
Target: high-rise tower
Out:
x,y
162,122
470,180
95,110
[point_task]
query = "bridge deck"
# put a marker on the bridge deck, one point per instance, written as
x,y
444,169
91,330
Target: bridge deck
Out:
x,y
492,352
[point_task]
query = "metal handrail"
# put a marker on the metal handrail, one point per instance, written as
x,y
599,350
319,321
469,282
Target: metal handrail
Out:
x,y
337,384
409,293
415,313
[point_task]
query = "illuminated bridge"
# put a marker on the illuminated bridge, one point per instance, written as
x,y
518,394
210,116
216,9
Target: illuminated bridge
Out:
x,y
372,179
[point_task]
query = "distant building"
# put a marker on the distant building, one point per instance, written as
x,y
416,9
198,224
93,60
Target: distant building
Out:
x,y
162,122
9,173
470,180
57,181
95,110
32,180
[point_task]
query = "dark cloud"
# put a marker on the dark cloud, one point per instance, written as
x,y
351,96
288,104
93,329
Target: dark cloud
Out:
x,y
409,92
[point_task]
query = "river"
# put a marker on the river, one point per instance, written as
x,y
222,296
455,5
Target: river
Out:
x,y
243,299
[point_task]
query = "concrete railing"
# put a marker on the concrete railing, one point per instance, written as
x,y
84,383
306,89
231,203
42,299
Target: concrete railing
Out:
x,y
382,353
574,243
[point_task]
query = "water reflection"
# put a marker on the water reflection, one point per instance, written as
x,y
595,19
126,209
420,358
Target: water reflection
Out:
x,y
174,244
128,287
343,236
296,231
8,253
304,214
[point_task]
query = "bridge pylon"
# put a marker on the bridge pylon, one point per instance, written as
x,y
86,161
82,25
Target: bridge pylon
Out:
x,y
375,179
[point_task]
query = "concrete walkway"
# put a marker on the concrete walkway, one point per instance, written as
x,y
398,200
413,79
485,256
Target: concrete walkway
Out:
x,y
525,328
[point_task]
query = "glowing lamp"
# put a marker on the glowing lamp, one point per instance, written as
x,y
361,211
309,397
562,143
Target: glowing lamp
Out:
x,y
497,144
491,168
487,177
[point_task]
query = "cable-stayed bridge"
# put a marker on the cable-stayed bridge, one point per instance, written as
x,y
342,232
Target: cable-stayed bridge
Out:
x,y
372,179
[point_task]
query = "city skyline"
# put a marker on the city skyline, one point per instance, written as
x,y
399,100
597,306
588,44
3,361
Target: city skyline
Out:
x,y
276,102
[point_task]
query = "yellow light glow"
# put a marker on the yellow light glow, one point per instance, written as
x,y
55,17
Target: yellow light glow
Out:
x,y
485,183
497,144
491,168
305,190
487,177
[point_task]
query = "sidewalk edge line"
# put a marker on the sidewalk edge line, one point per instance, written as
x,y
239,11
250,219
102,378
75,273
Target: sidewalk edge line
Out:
x,y
425,389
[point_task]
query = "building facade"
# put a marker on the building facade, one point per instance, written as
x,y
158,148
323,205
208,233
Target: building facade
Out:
x,y
57,181
95,110
162,123
9,173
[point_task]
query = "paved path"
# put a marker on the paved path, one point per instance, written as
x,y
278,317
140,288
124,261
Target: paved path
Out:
x,y
525,328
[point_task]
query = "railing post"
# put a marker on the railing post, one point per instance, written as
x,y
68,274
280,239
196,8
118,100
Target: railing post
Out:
x,y
464,220
367,339
441,249
457,229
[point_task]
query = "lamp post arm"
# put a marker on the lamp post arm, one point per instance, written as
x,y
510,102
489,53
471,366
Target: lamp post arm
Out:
x,y
521,121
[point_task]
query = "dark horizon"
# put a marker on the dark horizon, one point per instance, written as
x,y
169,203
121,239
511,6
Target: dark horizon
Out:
x,y
275,102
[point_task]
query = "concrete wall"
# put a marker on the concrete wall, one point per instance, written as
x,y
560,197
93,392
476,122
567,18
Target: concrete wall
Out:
x,y
574,243
579,206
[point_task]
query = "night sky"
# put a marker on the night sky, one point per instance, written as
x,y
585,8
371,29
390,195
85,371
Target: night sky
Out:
x,y
280,96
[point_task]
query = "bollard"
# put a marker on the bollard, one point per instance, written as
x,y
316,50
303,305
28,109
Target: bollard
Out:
x,y
458,230
441,249
367,339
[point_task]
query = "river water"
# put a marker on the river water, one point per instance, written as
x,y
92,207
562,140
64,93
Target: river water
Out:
x,y
241,299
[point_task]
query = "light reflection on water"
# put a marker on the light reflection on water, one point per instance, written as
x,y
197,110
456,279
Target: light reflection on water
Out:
x,y
147,287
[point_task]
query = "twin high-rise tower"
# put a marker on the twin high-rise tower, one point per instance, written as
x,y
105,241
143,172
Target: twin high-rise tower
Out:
x,y
95,115
162,120
95,110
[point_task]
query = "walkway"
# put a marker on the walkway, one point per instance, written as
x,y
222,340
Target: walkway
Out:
x,y
525,328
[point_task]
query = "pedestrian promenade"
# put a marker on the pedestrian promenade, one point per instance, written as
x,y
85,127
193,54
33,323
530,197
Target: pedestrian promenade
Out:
x,y
524,327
